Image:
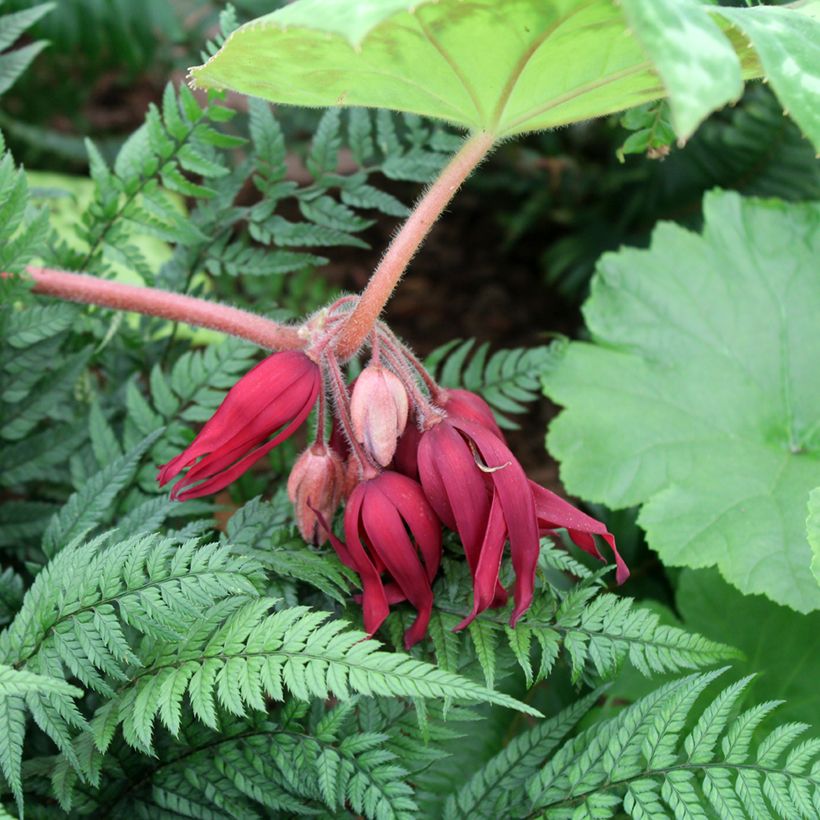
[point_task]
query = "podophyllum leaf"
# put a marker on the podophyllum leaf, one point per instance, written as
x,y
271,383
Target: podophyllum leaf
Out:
x,y
778,643
813,531
509,68
699,396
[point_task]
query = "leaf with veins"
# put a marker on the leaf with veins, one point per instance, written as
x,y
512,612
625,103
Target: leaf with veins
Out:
x,y
699,396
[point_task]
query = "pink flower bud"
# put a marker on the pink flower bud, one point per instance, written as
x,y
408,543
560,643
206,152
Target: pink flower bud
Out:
x,y
315,485
378,409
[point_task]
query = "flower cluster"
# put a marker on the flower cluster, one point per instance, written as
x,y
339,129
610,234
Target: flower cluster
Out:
x,y
405,456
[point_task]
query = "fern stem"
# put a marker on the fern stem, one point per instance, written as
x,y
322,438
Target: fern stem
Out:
x,y
91,290
407,241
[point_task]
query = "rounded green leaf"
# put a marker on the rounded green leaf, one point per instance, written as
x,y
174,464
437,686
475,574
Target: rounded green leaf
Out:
x,y
698,397
506,68
813,531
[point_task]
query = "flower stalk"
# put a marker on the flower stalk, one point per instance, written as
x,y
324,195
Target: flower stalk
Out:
x,y
91,290
407,241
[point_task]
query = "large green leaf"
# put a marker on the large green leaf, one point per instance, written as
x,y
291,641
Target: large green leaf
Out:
x,y
698,397
780,645
513,66
813,530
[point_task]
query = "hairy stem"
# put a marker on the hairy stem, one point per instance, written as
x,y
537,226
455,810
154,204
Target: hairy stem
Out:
x,y
79,287
407,240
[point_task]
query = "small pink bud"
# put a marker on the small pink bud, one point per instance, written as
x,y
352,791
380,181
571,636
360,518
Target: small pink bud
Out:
x,y
315,485
378,409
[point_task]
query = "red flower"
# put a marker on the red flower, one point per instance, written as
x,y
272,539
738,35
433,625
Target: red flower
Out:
x,y
469,406
378,516
554,513
276,395
485,503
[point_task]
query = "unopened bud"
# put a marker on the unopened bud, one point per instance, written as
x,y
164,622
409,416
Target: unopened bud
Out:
x,y
378,409
315,485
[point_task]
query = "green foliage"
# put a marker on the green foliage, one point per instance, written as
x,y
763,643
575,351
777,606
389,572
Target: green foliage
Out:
x,y
778,643
813,530
535,82
662,755
594,630
197,659
496,789
507,379
709,422
12,26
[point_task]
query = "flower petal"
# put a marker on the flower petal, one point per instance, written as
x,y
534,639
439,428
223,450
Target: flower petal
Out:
x,y
486,575
386,533
374,601
512,488
252,395
221,480
455,488
412,504
553,512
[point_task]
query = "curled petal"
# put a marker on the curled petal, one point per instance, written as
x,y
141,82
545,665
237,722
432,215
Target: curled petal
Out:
x,y
409,499
454,487
386,533
489,564
374,601
511,486
553,513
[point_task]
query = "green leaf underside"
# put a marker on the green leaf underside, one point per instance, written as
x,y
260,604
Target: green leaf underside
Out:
x,y
512,67
710,393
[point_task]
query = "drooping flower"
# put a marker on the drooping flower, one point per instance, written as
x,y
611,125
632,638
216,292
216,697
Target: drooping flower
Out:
x,y
478,488
378,410
391,529
469,406
274,398
553,513
315,486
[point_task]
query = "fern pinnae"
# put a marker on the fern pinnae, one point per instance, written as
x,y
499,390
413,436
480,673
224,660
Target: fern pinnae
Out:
x,y
685,778
515,764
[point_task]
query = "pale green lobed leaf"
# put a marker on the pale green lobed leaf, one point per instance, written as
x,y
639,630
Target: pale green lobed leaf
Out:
x,y
698,397
507,68
813,531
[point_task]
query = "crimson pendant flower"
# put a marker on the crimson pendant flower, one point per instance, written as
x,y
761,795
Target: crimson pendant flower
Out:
x,y
390,528
478,488
274,398
469,406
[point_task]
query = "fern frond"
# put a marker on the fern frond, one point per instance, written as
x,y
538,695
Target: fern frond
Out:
x,y
50,702
646,761
508,379
597,630
12,26
495,789
87,507
255,654
79,613
176,141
